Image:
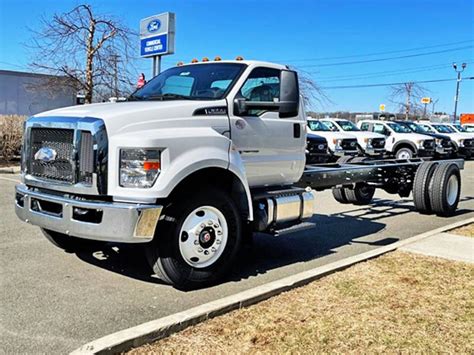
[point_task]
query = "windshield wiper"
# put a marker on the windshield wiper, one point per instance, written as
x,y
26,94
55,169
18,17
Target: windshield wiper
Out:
x,y
167,97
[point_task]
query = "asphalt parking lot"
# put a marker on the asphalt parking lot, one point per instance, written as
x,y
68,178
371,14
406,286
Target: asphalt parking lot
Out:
x,y
53,302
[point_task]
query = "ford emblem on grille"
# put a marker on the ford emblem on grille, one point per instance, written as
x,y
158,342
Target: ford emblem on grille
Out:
x,y
321,146
46,154
353,144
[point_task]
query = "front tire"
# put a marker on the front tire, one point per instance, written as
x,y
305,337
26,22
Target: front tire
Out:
x,y
404,153
197,239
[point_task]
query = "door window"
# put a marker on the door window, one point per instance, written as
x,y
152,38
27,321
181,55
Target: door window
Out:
x,y
364,126
263,84
379,128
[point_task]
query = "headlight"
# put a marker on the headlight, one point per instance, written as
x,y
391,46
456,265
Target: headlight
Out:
x,y
420,143
139,167
337,142
368,141
439,142
461,142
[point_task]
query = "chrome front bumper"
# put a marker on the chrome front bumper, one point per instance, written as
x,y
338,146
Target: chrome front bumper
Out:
x,y
375,151
108,221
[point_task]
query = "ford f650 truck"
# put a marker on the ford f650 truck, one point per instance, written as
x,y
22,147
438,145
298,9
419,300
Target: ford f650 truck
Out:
x,y
193,163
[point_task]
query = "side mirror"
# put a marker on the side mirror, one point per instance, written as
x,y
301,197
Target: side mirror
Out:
x,y
289,94
287,105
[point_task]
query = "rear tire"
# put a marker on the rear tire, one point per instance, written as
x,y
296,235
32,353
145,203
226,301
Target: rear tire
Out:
x,y
421,187
339,195
361,194
445,190
189,251
70,243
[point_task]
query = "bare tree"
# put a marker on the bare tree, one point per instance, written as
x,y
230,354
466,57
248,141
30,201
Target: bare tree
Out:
x,y
93,51
407,96
310,90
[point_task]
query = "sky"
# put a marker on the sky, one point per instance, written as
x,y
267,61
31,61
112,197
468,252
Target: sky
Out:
x,y
321,38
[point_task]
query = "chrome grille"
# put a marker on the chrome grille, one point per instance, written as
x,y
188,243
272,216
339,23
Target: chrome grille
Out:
x,y
61,141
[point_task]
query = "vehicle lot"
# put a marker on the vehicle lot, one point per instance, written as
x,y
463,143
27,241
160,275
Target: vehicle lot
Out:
x,y
53,302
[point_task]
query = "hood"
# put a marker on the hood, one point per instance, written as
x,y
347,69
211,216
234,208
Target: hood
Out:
x,y
137,115
331,135
437,135
415,136
316,138
460,136
366,134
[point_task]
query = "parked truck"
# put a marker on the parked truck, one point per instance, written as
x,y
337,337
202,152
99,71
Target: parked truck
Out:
x,y
192,164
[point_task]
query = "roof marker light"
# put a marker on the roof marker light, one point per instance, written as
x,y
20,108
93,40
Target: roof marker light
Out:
x,y
205,59
217,59
179,64
239,58
194,60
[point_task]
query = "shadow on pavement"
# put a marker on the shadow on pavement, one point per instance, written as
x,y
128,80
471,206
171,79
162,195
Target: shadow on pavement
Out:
x,y
268,252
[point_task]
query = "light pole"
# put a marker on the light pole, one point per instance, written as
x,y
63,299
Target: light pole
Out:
x,y
456,98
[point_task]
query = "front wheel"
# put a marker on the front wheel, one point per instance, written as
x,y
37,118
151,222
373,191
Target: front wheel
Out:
x,y
404,153
197,239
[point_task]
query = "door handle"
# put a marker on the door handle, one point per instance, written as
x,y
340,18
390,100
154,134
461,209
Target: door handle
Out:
x,y
296,130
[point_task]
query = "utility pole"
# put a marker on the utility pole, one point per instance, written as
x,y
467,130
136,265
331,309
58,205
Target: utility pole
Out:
x,y
115,60
456,98
434,102
408,88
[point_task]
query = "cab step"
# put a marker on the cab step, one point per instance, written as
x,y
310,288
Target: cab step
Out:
x,y
293,229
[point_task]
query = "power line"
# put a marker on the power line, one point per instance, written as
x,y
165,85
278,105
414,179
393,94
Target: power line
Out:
x,y
385,59
389,84
387,73
376,53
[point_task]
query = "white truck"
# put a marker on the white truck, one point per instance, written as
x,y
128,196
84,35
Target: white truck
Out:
x,y
463,142
371,144
401,142
193,163
340,144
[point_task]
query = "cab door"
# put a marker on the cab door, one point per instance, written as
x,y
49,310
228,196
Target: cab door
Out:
x,y
272,148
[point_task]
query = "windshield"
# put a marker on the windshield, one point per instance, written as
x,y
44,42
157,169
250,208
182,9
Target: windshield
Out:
x,y
399,128
191,82
459,128
317,126
331,126
348,126
415,128
444,129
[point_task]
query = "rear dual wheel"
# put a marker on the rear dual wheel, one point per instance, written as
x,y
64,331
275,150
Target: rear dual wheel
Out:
x,y
360,194
437,188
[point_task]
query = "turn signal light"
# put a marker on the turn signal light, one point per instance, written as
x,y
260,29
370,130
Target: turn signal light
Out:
x,y
151,165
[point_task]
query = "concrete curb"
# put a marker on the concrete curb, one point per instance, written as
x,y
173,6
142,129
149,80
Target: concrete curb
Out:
x,y
14,169
160,328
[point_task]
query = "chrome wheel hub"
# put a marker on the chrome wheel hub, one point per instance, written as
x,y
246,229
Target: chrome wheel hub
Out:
x,y
452,190
203,237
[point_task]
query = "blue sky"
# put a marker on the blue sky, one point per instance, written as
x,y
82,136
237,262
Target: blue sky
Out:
x,y
299,33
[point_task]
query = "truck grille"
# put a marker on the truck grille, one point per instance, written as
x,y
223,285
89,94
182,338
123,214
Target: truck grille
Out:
x,y
446,143
316,147
468,142
349,144
378,142
59,144
428,144
53,157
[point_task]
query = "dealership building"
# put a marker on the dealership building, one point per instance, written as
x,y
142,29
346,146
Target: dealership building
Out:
x,y
24,93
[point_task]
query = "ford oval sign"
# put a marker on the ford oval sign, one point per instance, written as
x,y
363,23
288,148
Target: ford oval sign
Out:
x,y
46,154
154,26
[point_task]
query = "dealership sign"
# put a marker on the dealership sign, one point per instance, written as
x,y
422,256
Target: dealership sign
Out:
x,y
157,35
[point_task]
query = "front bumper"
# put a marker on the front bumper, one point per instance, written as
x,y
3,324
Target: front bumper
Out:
x,y
425,152
341,152
443,150
374,151
96,220
466,151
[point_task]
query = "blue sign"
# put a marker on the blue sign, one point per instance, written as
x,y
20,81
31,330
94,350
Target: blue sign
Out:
x,y
154,25
155,45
